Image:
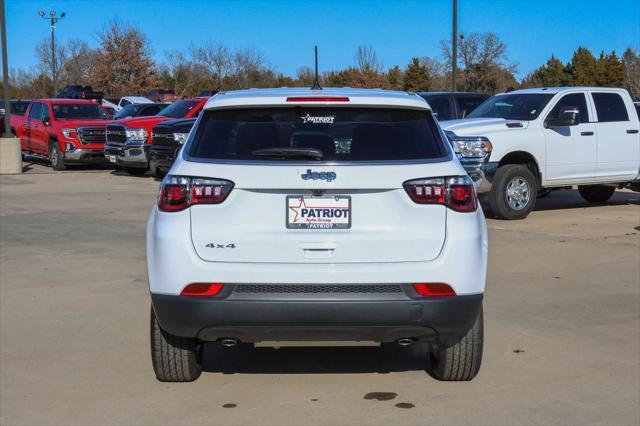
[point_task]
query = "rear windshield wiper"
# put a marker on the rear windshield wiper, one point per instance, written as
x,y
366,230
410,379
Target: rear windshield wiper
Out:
x,y
289,153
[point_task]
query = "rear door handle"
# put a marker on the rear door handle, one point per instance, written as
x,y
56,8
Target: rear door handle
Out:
x,y
632,131
586,133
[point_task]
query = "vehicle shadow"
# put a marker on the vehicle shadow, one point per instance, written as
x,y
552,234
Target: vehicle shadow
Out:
x,y
247,359
565,199
120,172
571,199
35,164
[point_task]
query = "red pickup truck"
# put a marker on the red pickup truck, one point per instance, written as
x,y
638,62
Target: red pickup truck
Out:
x,y
64,130
129,141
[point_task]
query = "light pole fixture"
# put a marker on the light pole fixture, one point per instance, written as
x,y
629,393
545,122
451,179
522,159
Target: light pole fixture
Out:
x,y
454,47
53,19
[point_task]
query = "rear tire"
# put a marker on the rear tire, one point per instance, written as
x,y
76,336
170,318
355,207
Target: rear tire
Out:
x,y
459,360
174,358
55,156
513,193
596,193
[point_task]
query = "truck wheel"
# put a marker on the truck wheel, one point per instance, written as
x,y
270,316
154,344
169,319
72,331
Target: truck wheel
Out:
x,y
513,194
174,358
596,193
55,156
460,360
134,171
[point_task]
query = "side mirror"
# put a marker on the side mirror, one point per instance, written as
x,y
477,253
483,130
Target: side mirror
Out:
x,y
569,116
46,123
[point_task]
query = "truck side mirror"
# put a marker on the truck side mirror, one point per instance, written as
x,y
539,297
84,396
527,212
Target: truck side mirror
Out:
x,y
46,123
569,116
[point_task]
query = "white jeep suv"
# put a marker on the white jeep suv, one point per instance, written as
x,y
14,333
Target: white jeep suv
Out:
x,y
317,215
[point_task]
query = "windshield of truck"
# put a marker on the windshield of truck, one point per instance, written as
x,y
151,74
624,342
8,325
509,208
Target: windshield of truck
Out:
x,y
513,107
79,111
178,109
317,134
125,112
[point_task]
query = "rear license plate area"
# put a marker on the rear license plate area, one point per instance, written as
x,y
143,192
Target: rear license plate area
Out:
x,y
326,212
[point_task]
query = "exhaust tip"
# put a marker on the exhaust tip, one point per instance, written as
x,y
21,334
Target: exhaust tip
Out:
x,y
405,341
228,342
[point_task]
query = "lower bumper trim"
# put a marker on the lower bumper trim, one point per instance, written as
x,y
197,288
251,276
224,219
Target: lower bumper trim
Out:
x,y
85,156
297,320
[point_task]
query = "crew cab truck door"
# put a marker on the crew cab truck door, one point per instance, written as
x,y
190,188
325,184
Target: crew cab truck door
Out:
x,y
42,140
30,124
618,138
570,146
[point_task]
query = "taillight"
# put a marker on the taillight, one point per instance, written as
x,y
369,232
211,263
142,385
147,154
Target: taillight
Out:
x,y
433,289
202,289
179,192
456,192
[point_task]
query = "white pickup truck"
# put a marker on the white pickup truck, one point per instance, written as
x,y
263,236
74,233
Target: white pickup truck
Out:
x,y
523,143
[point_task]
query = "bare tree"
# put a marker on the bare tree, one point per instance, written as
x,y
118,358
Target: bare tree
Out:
x,y
631,61
248,68
45,59
216,59
367,59
485,65
306,76
78,67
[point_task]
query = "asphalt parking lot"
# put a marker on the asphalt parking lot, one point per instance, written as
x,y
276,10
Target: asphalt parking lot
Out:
x,y
562,325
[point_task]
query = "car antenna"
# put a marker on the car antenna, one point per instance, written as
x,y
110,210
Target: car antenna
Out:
x,y
316,84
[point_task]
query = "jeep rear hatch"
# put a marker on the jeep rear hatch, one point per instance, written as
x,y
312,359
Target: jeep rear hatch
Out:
x,y
316,184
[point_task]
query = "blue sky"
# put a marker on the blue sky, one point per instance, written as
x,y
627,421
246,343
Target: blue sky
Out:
x,y
285,31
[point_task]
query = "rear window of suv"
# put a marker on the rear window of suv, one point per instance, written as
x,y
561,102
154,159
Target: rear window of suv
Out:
x,y
333,134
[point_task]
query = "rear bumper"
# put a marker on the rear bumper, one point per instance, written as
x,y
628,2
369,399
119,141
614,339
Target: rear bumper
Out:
x,y
310,320
128,155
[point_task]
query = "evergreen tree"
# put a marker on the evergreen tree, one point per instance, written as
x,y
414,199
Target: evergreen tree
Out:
x,y
417,78
553,73
395,78
612,72
583,68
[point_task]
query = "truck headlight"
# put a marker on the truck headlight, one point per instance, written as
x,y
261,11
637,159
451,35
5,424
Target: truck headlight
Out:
x,y
181,138
69,133
137,135
468,147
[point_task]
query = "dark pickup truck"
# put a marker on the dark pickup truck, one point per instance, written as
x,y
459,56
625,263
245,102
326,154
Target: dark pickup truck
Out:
x,y
168,138
79,92
453,105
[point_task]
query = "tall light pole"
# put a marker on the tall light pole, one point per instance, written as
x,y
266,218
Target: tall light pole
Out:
x,y
53,20
5,75
454,47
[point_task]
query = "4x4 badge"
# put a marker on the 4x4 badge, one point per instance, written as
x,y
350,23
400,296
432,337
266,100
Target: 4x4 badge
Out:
x,y
328,176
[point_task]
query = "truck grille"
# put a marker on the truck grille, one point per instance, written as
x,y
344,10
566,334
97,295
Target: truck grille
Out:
x,y
318,289
163,138
89,135
116,134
